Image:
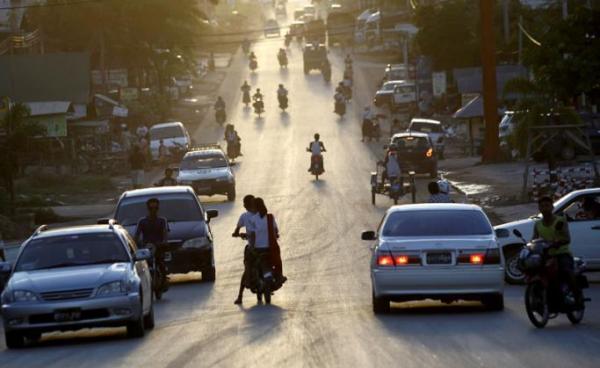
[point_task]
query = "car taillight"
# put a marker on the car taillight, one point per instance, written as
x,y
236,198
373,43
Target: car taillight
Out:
x,y
385,259
476,259
479,257
429,152
401,260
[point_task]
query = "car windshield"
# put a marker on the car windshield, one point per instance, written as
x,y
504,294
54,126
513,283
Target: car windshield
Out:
x,y
71,250
429,223
175,207
173,131
426,127
411,143
404,89
197,162
389,86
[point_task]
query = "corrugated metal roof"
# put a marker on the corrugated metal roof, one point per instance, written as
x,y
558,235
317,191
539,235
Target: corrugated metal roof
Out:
x,y
49,108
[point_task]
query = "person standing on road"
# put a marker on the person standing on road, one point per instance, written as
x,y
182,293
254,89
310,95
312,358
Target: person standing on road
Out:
x,y
246,223
162,152
435,195
137,161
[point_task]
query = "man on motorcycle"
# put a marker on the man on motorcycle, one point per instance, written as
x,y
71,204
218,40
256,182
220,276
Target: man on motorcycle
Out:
x,y
245,92
168,180
153,229
348,61
233,140
282,57
367,123
339,100
220,104
555,229
246,223
282,94
316,147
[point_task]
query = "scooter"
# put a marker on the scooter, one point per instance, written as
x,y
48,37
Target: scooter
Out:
x,y
233,150
283,102
547,295
259,106
253,64
283,60
316,164
220,115
246,98
160,282
260,278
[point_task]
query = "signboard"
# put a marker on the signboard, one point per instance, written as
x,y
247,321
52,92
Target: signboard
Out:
x,y
116,77
439,83
129,94
120,111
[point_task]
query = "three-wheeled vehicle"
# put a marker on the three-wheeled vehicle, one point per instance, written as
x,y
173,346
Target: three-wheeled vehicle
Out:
x,y
395,187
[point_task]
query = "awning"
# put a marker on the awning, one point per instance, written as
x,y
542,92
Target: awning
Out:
x,y
472,109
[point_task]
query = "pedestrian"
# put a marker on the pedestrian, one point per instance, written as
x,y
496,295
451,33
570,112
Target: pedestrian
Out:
x,y
137,161
246,223
162,152
263,238
435,195
141,131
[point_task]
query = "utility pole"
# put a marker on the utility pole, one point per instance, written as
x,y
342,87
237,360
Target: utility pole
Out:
x,y
488,61
506,21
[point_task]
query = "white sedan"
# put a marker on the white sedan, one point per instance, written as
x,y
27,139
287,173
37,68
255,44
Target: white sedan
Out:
x,y
446,252
584,227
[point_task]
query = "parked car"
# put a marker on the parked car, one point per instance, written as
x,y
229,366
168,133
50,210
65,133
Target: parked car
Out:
x,y
416,153
74,278
446,252
272,28
385,95
434,129
207,170
190,237
584,230
172,134
398,72
404,99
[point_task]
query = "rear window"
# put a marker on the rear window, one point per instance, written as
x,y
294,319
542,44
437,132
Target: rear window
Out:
x,y
197,162
412,143
71,251
174,131
176,207
436,223
426,127
389,87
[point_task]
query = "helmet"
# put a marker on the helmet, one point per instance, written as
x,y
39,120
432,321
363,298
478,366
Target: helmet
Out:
x,y
317,136
258,90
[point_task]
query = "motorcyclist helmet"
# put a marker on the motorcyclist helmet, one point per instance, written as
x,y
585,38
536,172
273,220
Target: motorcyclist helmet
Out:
x,y
317,136
281,86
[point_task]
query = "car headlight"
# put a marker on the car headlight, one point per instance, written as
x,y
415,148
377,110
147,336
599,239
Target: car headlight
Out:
x,y
196,243
23,296
111,288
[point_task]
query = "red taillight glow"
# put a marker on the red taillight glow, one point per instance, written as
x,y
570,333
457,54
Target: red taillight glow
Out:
x,y
385,260
401,260
476,258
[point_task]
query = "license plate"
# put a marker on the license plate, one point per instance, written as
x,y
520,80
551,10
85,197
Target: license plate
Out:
x,y
439,258
67,315
168,257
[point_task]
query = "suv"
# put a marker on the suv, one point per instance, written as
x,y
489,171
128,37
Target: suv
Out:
x,y
77,277
416,153
190,238
173,134
207,170
385,95
433,128
314,56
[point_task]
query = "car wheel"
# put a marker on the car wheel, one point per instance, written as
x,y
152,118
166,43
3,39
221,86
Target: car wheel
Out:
x,y
135,329
209,274
380,305
493,302
513,274
149,318
14,340
231,195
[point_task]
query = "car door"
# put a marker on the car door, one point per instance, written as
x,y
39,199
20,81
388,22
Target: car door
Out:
x,y
143,272
584,229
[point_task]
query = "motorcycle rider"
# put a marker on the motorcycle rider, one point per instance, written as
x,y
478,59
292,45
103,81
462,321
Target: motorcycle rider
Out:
x,y
219,104
252,58
153,229
339,100
246,45
258,99
435,195
316,148
233,139
168,179
555,229
282,57
246,223
246,92
288,39
348,61
282,95
367,123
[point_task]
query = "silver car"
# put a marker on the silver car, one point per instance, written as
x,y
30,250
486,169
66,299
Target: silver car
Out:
x,y
77,277
445,252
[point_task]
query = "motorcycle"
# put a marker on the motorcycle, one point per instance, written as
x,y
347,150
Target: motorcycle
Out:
x,y
259,106
340,108
246,98
220,115
283,102
160,282
259,278
233,150
316,164
253,64
547,295
347,92
283,60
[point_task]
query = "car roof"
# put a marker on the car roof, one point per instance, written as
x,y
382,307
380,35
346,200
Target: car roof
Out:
x,y
398,81
410,134
434,207
156,191
204,152
164,125
427,121
73,230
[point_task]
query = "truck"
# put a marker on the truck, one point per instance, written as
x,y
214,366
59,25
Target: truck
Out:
x,y
315,31
340,28
315,56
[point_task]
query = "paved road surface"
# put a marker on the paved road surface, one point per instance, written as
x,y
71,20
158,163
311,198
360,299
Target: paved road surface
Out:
x,y
322,317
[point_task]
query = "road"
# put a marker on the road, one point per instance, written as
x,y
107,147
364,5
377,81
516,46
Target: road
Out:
x,y
322,317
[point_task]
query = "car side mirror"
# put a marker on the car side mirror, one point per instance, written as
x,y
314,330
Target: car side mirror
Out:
x,y
368,235
142,255
211,214
517,233
502,233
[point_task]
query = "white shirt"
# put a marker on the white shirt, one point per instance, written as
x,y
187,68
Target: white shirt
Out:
x,y
315,147
282,92
142,131
245,221
260,227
